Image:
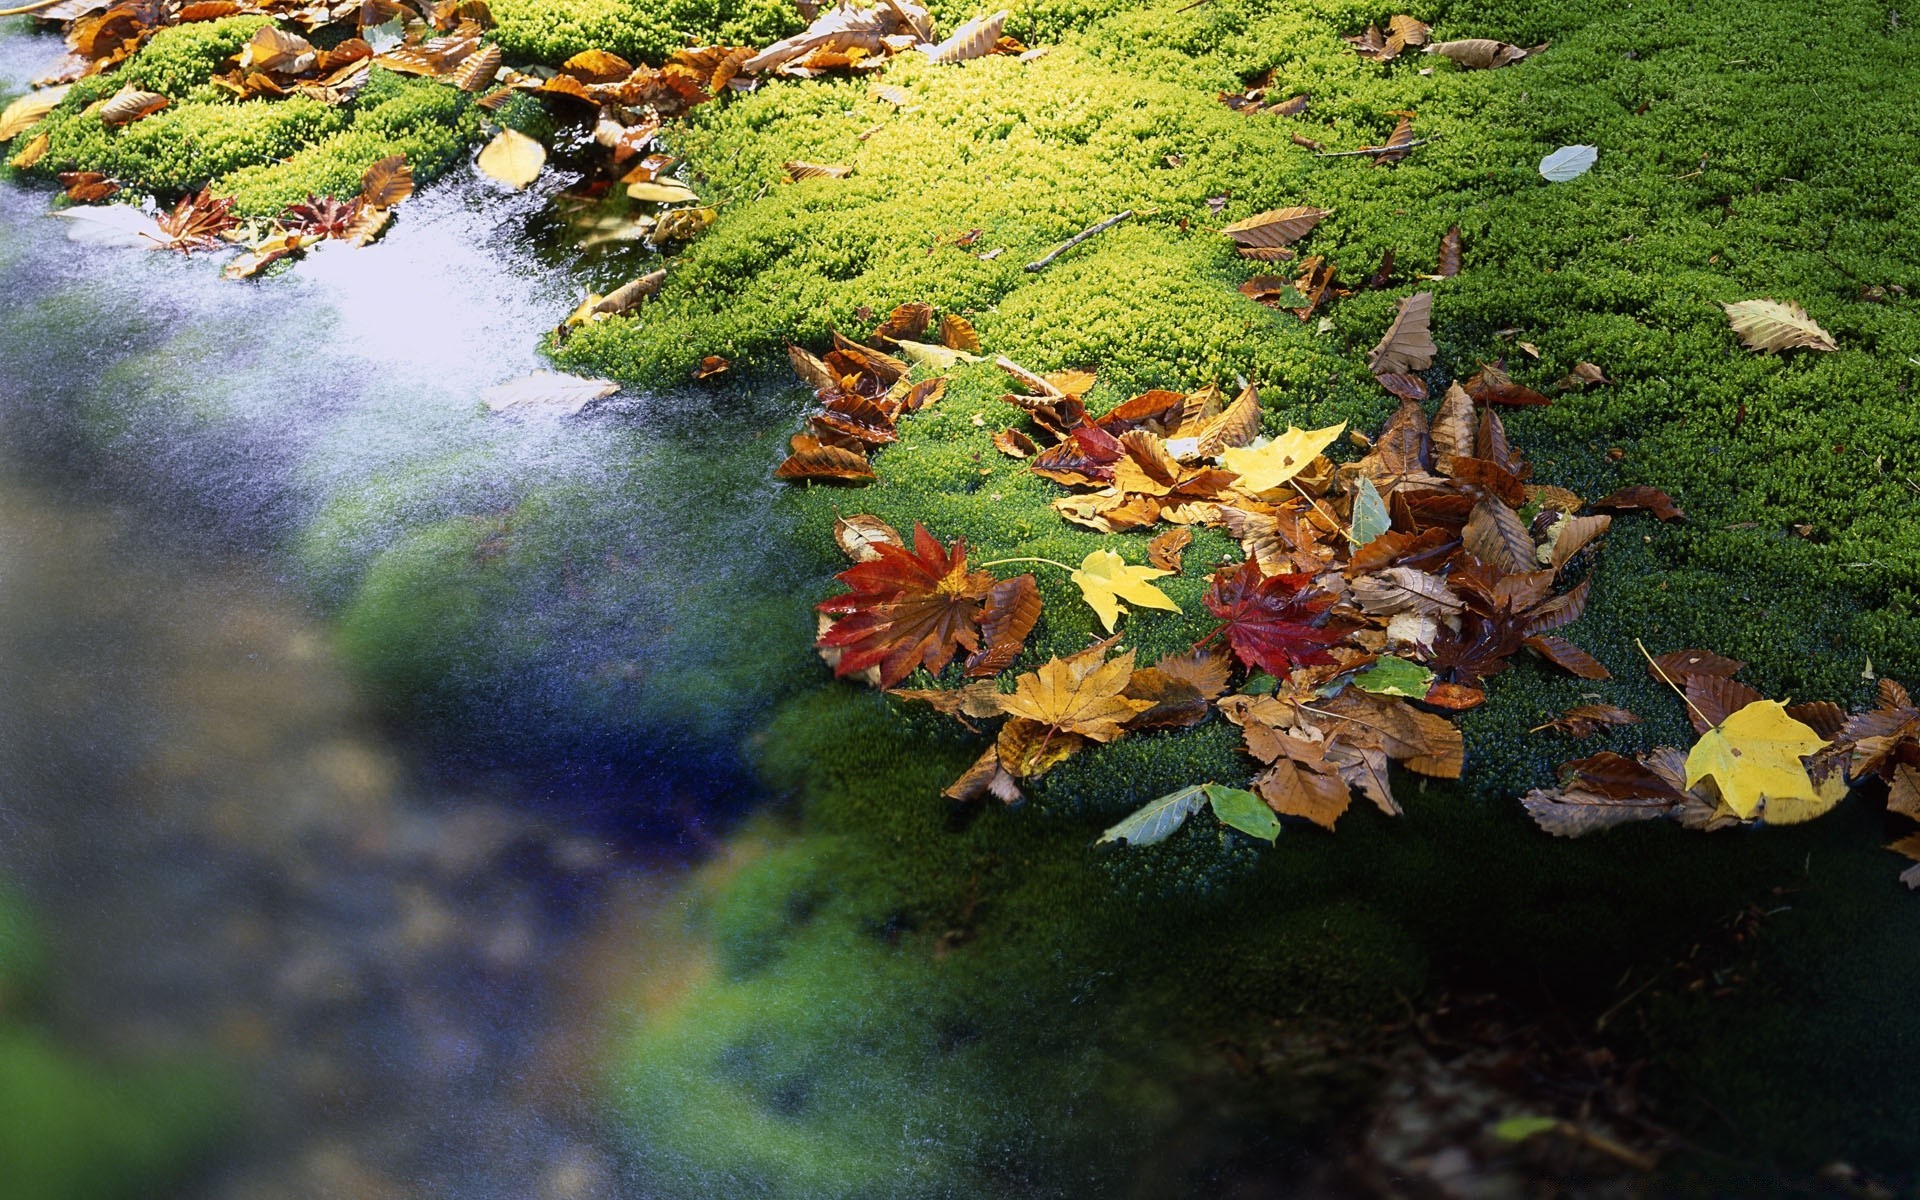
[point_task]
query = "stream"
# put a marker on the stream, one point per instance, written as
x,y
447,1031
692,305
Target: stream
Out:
x,y
403,952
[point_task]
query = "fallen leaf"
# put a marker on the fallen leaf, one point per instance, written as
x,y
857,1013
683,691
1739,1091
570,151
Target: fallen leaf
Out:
x,y
1082,694
825,464
1391,675
1267,468
27,111
1275,229
548,391
797,171
29,155
906,609
1273,622
387,182
1568,162
1449,253
1753,757
514,159
130,104
1587,719
1240,809
973,39
1157,820
956,333
1478,54
710,366
597,66
933,357
1012,610
1407,345
859,534
1492,385
1652,499
1165,549
1105,580
86,187
1370,518
1015,444
1769,325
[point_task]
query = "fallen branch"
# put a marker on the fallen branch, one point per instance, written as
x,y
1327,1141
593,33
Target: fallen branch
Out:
x,y
1076,239
1377,150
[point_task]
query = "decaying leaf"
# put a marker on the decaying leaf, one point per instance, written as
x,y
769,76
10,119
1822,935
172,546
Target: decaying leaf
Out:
x,y
513,158
1407,345
1652,499
859,534
797,171
710,366
1587,719
1769,325
814,461
1449,253
1480,54
1165,549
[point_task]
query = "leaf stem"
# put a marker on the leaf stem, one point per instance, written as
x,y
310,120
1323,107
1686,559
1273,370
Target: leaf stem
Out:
x,y
1678,691
1376,151
36,6
1345,530
1001,562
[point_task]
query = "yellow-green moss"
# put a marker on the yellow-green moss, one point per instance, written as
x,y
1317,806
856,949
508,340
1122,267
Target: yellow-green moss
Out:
x,y
552,31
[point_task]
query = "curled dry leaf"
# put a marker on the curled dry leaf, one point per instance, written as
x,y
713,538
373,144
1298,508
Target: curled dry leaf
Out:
x,y
29,110
29,155
130,105
477,72
1769,325
859,534
1407,346
1449,253
1588,719
513,158
973,39
956,333
814,461
1479,54
87,187
1652,499
1015,444
710,366
1492,385
1165,549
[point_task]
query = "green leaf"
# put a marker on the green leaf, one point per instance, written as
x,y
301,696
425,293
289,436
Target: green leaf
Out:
x,y
1244,811
1519,1129
1259,684
1369,514
1390,676
1156,821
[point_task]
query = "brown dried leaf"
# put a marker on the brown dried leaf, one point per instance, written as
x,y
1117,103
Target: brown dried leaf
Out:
x,y
797,171
1277,228
974,39
1769,325
956,333
1567,656
1164,550
1015,444
130,104
1009,615
859,534
1494,386
1407,346
1652,499
1449,254
908,322
1588,719
826,464
387,182
1478,54
1574,535
1496,535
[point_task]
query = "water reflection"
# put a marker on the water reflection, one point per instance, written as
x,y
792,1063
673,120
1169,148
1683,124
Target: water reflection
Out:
x,y
234,866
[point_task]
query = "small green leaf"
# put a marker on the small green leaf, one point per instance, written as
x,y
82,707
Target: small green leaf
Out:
x,y
1259,684
1156,821
1370,518
1390,676
1519,1129
1243,811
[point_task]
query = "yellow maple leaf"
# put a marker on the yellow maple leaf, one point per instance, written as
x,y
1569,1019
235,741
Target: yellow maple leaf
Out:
x,y
1105,579
1079,694
1753,757
1264,468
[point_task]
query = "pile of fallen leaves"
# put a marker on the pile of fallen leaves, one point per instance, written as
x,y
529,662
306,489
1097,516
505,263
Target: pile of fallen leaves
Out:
x,y
1756,761
1374,600
1375,597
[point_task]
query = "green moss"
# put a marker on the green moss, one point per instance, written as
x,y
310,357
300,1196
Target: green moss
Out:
x,y
552,31
431,123
182,147
1625,268
180,58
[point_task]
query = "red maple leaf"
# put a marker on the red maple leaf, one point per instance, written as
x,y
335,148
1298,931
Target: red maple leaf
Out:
x,y
1273,622
907,609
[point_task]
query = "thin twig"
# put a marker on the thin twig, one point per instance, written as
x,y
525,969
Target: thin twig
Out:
x,y
1376,151
36,6
1195,4
1001,562
1678,690
1076,239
